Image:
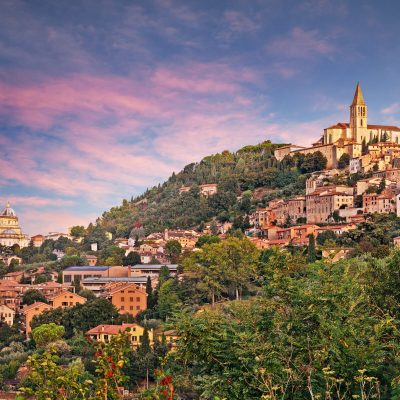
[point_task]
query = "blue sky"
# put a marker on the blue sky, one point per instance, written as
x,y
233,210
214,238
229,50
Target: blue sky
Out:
x,y
101,99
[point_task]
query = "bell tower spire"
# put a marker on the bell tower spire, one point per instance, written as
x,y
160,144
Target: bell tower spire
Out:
x,y
358,117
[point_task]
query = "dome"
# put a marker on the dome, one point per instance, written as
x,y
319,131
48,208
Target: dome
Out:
x,y
8,211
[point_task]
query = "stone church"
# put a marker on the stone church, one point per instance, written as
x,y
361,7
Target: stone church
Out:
x,y
347,138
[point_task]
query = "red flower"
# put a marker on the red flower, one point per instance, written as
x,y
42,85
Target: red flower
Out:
x,y
98,353
109,374
165,393
166,381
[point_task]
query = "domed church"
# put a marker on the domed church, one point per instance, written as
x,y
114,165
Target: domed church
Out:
x,y
10,231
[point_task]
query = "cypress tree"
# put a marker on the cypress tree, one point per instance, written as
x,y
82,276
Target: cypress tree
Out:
x,y
311,252
149,291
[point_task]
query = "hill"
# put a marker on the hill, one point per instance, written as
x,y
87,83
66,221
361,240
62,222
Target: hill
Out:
x,y
238,174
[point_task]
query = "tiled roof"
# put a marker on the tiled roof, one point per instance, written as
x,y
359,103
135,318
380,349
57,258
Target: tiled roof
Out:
x,y
110,329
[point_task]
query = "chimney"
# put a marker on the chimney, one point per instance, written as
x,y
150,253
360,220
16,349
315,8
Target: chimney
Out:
x,y
102,328
166,234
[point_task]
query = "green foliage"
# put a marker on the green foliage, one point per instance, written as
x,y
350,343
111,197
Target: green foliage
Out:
x,y
78,231
33,295
344,161
81,317
132,258
173,250
47,333
207,239
222,269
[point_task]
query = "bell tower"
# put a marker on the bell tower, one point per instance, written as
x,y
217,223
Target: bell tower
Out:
x,y
358,117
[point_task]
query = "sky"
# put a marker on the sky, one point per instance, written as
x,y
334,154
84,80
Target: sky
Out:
x,y
100,99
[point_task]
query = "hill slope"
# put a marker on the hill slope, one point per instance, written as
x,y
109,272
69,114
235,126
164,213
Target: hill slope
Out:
x,y
237,174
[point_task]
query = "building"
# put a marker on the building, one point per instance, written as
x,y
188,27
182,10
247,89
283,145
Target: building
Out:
x,y
79,273
321,204
91,260
103,333
382,203
127,298
208,189
348,138
65,299
152,270
7,315
37,240
10,230
99,285
32,311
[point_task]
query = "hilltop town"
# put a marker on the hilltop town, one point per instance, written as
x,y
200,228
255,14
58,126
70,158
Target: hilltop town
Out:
x,y
198,242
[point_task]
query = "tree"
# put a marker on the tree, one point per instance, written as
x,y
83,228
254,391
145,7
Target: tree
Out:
x,y
344,161
225,268
132,258
324,236
311,252
33,295
145,355
47,333
173,250
207,239
78,231
382,186
149,292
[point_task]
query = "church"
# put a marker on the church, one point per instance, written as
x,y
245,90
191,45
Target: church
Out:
x,y
10,231
347,137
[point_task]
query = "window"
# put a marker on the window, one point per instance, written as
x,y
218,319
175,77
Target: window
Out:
x,y
122,298
131,308
134,338
122,307
130,298
138,299
137,307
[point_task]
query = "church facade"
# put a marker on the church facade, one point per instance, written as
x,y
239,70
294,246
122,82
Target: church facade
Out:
x,y
347,138
10,231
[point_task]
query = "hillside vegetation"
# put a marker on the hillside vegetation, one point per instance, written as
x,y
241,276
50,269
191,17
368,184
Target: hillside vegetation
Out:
x,y
237,175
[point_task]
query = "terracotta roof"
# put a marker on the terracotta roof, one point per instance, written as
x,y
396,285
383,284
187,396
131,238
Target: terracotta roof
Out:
x,y
55,295
34,305
123,287
110,329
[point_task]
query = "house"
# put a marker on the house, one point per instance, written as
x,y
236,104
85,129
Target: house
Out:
x,y
127,298
7,315
49,288
14,276
382,203
37,240
152,270
32,311
184,189
98,285
78,273
65,299
208,189
103,333
91,260
336,229
396,241
323,202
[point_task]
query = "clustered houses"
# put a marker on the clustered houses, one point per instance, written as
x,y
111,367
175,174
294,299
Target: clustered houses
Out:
x,y
152,247
124,287
325,206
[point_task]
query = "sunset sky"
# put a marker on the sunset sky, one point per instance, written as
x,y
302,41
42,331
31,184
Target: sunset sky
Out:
x,y
101,99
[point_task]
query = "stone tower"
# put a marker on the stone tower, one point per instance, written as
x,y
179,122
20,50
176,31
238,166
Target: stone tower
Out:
x,y
359,117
